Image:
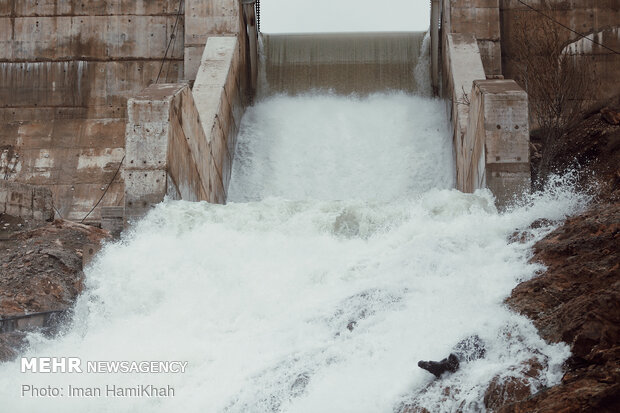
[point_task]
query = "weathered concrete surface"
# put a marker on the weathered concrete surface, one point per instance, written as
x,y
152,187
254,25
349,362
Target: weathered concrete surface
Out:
x,y
26,201
147,139
67,68
495,151
220,95
204,19
489,117
69,54
598,17
76,159
461,66
180,142
479,18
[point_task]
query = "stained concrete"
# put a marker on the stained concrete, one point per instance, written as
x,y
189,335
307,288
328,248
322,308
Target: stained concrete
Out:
x,y
489,117
75,158
598,18
180,142
496,146
26,201
67,68
479,18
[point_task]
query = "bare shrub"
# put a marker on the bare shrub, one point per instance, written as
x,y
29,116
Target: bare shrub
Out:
x,y
558,83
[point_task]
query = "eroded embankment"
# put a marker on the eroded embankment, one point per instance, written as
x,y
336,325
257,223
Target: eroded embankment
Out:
x,y
40,269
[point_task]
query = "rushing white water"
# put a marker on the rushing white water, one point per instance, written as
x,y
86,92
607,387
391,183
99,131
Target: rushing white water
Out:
x,y
345,260
327,147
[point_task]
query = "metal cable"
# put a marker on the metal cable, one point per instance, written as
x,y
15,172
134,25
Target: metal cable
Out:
x,y
172,37
568,28
106,189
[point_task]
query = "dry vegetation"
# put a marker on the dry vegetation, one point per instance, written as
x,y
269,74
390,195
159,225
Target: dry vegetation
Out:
x,y
558,83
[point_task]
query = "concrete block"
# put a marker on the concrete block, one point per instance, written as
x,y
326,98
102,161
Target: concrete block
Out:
x,y
496,147
147,145
192,57
113,219
144,187
491,55
482,22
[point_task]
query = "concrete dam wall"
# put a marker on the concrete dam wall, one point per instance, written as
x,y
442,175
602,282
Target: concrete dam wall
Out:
x,y
69,73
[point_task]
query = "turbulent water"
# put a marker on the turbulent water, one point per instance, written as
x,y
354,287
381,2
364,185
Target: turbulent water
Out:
x,y
344,259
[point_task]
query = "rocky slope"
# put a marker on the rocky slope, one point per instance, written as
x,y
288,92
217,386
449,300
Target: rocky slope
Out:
x,y
40,268
577,301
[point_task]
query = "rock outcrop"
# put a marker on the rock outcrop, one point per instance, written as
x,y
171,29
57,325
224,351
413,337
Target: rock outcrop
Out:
x,y
577,301
41,268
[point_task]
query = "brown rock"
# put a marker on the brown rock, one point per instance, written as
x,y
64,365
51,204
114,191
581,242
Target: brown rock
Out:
x,y
577,300
41,270
611,116
501,392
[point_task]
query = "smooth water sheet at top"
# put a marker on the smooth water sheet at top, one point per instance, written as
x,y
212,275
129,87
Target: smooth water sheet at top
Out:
x,y
344,63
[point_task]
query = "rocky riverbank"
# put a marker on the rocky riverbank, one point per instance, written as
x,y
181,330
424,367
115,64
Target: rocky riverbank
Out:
x,y
40,268
577,301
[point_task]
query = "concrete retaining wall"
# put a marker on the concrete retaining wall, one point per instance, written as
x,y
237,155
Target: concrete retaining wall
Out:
x,y
495,152
26,201
489,117
479,18
180,142
83,58
67,68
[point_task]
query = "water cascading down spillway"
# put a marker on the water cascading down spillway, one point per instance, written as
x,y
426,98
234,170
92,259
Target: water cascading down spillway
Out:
x,y
344,63
342,258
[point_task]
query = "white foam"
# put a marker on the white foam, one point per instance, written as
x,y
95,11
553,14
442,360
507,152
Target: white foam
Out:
x,y
383,147
257,296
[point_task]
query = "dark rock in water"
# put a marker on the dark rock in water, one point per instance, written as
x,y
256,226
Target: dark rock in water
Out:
x,y
299,385
451,364
471,348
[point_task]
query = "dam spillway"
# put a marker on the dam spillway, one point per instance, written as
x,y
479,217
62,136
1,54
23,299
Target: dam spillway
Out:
x,y
342,258
343,63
